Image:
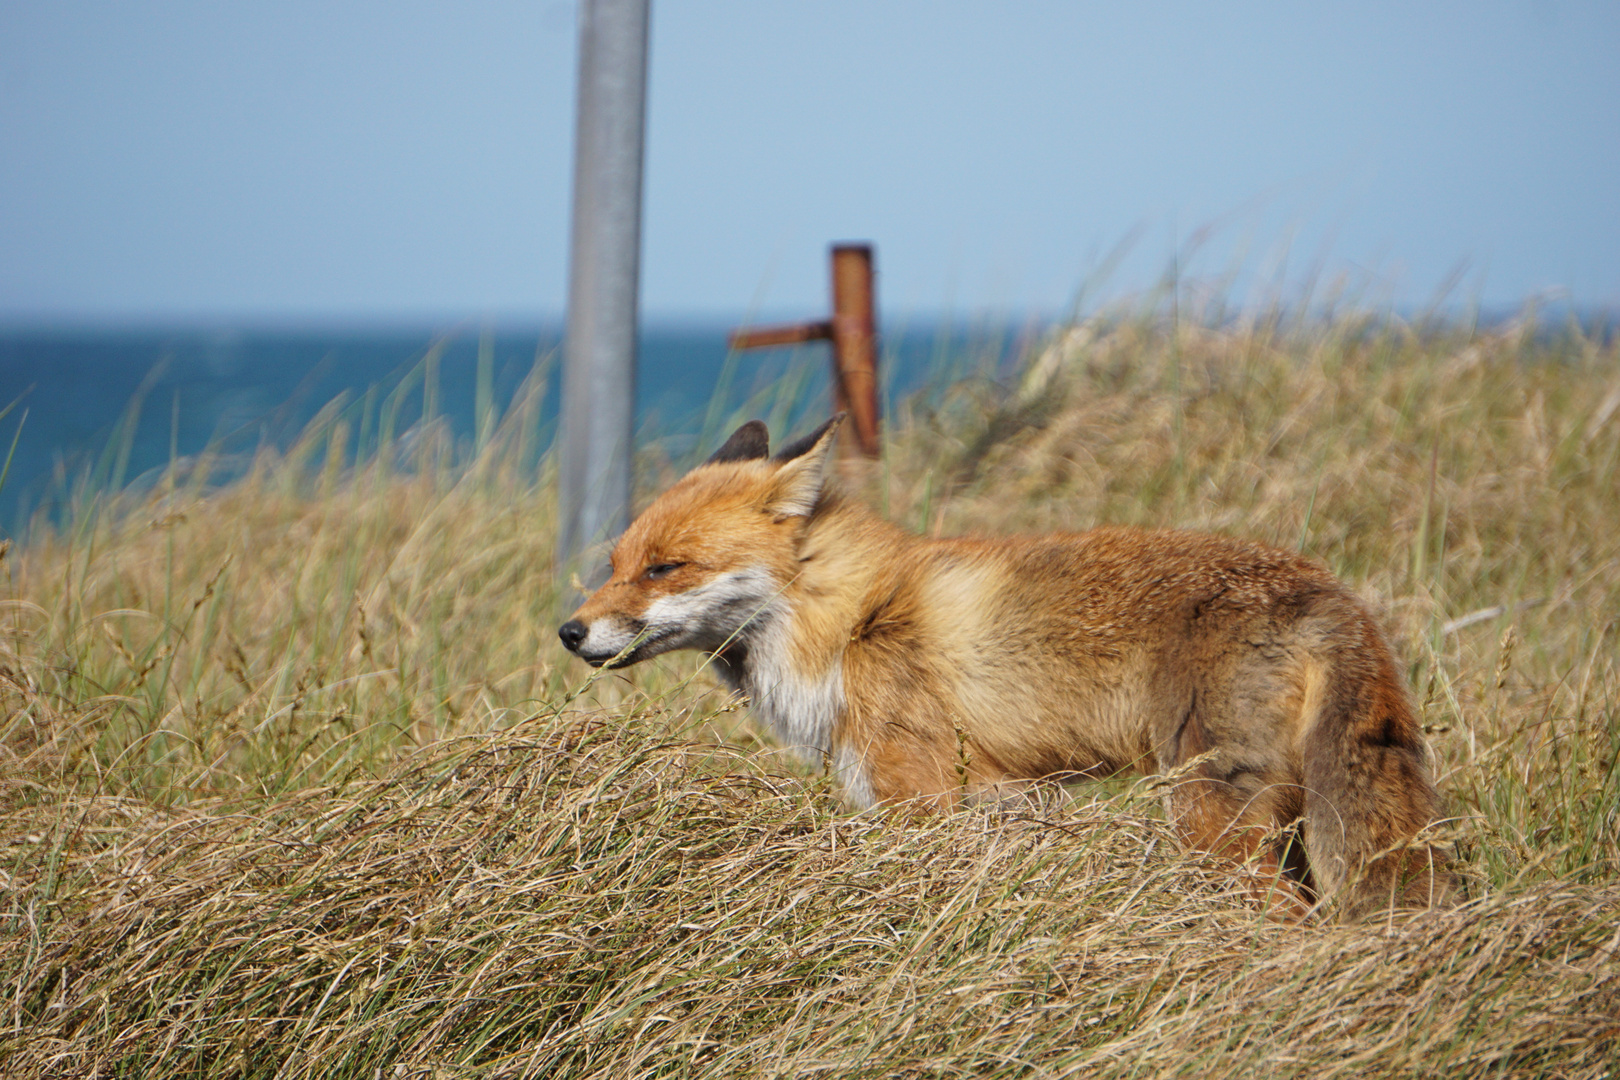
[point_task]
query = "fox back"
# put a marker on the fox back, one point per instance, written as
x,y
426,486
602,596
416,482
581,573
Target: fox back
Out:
x,y
928,670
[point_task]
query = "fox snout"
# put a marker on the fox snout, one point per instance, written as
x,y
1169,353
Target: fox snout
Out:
x,y
707,616
615,643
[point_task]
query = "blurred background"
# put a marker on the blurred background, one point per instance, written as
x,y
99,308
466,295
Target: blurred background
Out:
x,y
227,215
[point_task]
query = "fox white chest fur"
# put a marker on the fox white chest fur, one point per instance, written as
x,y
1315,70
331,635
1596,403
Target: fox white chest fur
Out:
x,y
800,707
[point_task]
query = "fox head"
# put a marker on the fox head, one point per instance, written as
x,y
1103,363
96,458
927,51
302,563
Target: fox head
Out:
x,y
711,556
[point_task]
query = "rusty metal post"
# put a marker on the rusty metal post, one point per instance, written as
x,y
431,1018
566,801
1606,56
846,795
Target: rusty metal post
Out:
x,y
853,333
854,341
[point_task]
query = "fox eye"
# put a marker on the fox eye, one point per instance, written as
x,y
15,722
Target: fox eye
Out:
x,y
663,569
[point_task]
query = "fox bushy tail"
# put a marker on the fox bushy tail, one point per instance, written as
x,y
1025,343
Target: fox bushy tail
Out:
x,y
1369,799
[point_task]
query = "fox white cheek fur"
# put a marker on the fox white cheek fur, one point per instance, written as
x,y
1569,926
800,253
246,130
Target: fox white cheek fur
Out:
x,y
723,604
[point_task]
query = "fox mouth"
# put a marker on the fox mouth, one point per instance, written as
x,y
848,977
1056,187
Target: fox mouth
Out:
x,y
642,649
610,660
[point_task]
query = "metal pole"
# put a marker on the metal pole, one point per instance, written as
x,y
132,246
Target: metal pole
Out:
x,y
599,353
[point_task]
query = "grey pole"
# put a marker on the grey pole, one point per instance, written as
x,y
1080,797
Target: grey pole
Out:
x,y
599,352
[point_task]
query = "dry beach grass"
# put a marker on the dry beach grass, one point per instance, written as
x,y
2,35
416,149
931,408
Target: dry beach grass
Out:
x,y
295,780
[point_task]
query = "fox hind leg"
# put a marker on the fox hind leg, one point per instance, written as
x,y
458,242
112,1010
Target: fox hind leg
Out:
x,y
1247,821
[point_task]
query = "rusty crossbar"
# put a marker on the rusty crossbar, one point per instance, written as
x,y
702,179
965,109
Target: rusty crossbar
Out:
x,y
853,333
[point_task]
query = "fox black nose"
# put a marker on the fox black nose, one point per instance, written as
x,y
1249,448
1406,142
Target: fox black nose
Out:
x,y
572,633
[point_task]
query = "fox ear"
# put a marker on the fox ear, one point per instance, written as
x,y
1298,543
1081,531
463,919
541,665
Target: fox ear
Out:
x,y
799,482
800,447
747,443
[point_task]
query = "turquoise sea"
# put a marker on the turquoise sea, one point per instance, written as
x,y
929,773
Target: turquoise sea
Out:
x,y
80,395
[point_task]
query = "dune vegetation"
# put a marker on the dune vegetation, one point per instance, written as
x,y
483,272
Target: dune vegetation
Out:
x,y
296,781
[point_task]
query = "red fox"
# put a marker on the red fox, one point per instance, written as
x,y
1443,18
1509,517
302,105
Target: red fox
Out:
x,y
930,669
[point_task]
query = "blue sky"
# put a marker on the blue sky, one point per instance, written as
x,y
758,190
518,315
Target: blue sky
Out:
x,y
366,160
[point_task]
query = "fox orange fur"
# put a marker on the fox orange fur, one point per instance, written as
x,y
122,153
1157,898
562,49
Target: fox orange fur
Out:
x,y
927,669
